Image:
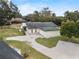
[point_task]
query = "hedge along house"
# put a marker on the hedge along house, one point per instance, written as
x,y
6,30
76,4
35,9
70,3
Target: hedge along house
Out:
x,y
35,27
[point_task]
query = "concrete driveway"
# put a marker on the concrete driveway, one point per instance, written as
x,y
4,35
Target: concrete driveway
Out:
x,y
48,34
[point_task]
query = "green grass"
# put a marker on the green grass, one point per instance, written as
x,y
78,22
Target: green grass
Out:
x,y
52,42
47,42
26,48
8,32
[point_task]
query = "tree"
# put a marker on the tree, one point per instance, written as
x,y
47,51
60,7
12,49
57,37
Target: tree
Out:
x,y
58,20
68,29
73,16
44,15
4,11
77,30
15,11
7,11
46,12
36,16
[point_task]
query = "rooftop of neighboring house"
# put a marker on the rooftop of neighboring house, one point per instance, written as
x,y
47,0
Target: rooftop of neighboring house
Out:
x,y
17,20
7,52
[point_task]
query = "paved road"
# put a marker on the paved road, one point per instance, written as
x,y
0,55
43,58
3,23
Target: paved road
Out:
x,y
63,50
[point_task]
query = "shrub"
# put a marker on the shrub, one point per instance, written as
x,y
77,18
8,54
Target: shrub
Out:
x,y
25,55
77,30
68,29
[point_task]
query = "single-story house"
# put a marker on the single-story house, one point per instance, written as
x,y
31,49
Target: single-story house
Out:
x,y
17,20
6,52
35,27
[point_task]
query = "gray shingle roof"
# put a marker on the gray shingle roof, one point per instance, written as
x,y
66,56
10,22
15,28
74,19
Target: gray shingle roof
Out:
x,y
7,52
42,25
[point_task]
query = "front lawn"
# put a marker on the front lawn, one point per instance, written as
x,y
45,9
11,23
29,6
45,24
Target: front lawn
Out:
x,y
8,32
52,42
25,48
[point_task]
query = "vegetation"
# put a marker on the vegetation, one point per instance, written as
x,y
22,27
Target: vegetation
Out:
x,y
70,24
72,16
8,32
58,20
48,42
52,42
7,12
70,29
45,15
25,48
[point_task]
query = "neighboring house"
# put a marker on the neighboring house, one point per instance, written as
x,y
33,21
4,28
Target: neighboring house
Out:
x,y
17,20
35,27
7,52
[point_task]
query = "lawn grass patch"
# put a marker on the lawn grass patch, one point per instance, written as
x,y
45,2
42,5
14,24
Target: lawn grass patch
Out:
x,y
8,32
28,49
52,42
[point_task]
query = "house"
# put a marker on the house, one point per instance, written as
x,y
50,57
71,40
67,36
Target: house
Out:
x,y
7,52
17,20
35,27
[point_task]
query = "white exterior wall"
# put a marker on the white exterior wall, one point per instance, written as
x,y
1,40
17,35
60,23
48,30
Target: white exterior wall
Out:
x,y
33,31
45,34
